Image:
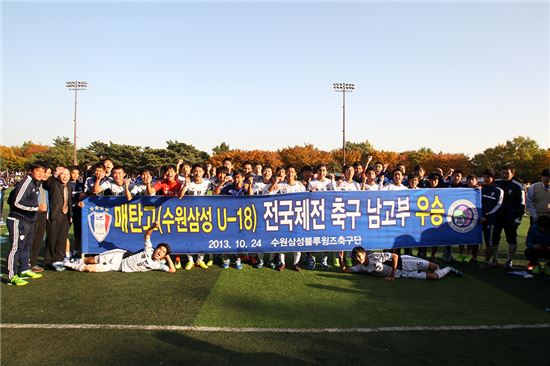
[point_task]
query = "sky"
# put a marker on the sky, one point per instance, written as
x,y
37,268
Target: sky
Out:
x,y
454,77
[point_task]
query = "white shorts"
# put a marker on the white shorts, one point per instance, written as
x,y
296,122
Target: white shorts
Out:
x,y
111,259
413,267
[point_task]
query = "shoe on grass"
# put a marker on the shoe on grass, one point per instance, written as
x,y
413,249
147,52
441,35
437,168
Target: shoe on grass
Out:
x,y
336,263
297,268
455,272
15,280
202,264
210,263
260,265
29,274
189,265
239,265
37,269
281,267
349,262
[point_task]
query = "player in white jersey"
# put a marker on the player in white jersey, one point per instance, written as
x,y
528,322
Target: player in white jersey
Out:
x,y
261,187
291,185
118,186
321,184
397,181
146,186
348,184
114,260
370,181
197,187
391,266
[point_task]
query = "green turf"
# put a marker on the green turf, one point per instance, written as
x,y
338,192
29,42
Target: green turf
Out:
x,y
102,347
267,298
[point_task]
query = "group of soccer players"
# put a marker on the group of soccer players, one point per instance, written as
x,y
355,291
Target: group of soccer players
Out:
x,y
502,208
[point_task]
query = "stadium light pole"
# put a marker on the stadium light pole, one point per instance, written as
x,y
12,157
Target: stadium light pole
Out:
x,y
343,88
76,86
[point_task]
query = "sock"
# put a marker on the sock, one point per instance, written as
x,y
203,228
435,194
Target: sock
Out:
x,y
442,272
190,258
68,254
282,258
325,259
511,252
297,256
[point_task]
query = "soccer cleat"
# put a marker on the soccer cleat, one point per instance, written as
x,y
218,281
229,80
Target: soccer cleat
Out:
x,y
210,263
260,264
58,266
238,265
324,266
225,264
37,269
349,262
15,280
281,267
189,265
177,263
272,264
29,274
336,263
455,272
507,265
202,264
297,268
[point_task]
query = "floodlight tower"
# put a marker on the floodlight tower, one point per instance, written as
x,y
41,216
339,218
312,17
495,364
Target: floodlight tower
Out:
x,y
76,86
343,88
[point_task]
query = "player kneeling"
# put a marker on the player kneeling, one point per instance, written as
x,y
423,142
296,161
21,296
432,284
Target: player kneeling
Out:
x,y
391,265
114,260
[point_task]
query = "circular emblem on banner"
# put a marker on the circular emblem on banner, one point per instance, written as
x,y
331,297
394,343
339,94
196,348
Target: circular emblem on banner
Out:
x,y
462,216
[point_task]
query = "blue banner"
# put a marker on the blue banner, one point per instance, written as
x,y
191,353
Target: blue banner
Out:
x,y
309,222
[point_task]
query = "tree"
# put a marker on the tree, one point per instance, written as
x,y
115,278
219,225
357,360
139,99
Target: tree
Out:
x,y
186,152
221,148
60,154
521,152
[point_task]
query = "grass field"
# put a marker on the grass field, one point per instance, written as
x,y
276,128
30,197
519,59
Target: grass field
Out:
x,y
251,298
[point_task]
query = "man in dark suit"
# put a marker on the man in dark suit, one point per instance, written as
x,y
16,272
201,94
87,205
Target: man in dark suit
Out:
x,y
60,216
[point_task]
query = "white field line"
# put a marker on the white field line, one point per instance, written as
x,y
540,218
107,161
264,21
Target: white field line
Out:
x,y
274,330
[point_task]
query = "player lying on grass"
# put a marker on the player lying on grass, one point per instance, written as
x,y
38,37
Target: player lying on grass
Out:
x,y
391,265
149,259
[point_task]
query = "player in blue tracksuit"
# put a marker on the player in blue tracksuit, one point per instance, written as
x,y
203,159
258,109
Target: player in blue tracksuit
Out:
x,y
491,200
23,202
509,216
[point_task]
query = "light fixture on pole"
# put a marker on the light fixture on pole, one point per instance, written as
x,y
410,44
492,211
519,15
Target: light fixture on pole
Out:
x,y
76,86
343,88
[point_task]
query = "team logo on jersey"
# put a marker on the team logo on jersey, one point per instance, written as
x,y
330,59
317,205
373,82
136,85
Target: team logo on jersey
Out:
x,y
462,216
99,221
